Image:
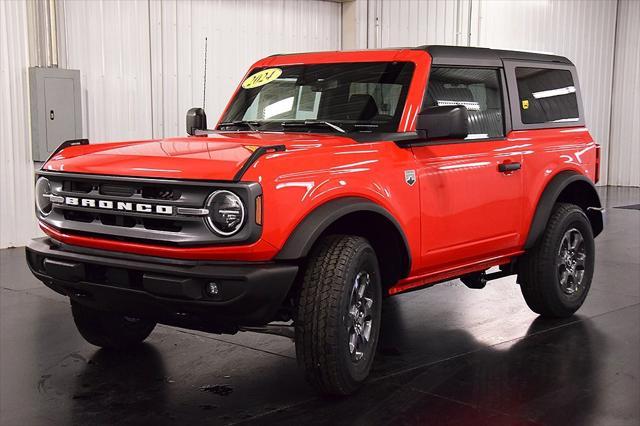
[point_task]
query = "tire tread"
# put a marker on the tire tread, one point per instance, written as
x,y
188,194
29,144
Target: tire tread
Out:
x,y
535,263
317,319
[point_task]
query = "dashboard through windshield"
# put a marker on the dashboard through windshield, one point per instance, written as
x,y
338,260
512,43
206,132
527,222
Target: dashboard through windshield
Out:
x,y
338,97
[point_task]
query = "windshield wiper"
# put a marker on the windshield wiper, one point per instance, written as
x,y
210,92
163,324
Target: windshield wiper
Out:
x,y
251,125
311,123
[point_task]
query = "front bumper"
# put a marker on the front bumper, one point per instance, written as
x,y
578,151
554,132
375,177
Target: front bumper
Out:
x,y
166,290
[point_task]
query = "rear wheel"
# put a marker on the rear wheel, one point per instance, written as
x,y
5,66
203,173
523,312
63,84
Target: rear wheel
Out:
x,y
338,314
110,330
555,276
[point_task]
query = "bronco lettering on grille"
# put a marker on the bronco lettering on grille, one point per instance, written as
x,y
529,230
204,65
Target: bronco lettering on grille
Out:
x,y
125,206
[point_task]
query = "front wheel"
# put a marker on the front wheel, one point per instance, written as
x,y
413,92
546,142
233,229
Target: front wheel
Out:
x,y
338,314
555,276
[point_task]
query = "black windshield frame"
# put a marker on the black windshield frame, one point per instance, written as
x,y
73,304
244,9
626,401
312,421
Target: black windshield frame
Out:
x,y
377,110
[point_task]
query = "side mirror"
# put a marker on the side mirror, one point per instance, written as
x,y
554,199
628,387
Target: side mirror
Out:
x,y
443,122
196,120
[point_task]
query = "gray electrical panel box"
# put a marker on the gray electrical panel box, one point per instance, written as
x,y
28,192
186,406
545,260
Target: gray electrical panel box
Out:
x,y
56,112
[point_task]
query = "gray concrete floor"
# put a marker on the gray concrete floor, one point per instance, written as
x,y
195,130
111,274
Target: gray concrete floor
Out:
x,y
448,355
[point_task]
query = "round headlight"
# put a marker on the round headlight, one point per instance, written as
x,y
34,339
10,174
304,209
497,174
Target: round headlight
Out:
x,y
43,196
226,212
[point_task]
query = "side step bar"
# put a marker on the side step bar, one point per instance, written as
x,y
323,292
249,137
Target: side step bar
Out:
x,y
478,280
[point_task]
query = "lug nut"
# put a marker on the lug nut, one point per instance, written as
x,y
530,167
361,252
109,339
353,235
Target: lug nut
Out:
x,y
212,289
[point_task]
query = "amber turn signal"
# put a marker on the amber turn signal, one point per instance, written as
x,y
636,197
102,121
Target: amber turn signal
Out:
x,y
259,210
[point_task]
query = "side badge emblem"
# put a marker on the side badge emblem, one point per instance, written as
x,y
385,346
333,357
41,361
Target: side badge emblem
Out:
x,y
410,177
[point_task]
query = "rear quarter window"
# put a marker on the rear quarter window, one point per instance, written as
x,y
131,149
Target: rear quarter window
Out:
x,y
546,95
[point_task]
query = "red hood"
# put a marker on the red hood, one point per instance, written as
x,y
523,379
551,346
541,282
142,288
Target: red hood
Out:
x,y
216,157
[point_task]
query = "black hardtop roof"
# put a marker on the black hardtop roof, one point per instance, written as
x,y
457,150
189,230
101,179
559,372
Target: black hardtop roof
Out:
x,y
460,55
482,56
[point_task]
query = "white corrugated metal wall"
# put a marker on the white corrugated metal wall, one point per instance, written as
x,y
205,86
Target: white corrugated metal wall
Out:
x,y
584,31
397,23
142,61
108,41
238,33
16,167
624,156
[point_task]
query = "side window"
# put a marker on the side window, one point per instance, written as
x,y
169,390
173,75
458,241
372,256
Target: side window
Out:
x,y
477,89
546,95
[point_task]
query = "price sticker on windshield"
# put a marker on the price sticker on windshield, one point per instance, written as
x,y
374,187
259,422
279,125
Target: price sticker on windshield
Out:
x,y
261,78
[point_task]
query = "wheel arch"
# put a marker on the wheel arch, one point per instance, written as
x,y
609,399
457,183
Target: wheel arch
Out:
x,y
354,216
568,187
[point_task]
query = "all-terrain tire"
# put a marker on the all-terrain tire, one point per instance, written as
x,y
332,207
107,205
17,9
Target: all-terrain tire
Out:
x,y
110,330
541,269
331,312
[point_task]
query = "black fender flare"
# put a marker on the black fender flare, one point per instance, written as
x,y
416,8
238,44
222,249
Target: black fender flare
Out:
x,y
551,195
318,220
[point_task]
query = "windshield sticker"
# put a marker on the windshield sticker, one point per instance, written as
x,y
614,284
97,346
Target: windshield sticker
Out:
x,y
261,78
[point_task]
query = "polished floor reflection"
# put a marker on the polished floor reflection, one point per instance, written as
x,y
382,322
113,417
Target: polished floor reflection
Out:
x,y
448,355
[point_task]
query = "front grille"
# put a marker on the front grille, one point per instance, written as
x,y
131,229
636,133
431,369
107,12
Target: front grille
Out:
x,y
127,223
117,190
160,193
77,187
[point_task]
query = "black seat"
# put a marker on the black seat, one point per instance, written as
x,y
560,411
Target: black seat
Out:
x,y
360,107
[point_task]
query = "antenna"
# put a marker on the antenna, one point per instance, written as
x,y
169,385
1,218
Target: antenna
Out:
x,y
204,89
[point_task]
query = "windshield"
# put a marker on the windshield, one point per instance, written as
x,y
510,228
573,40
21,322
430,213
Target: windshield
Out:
x,y
350,97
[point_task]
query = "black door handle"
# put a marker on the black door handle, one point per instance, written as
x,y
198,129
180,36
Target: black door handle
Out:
x,y
508,167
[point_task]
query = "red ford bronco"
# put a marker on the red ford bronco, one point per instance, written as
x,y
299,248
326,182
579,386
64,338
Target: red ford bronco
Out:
x,y
332,180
